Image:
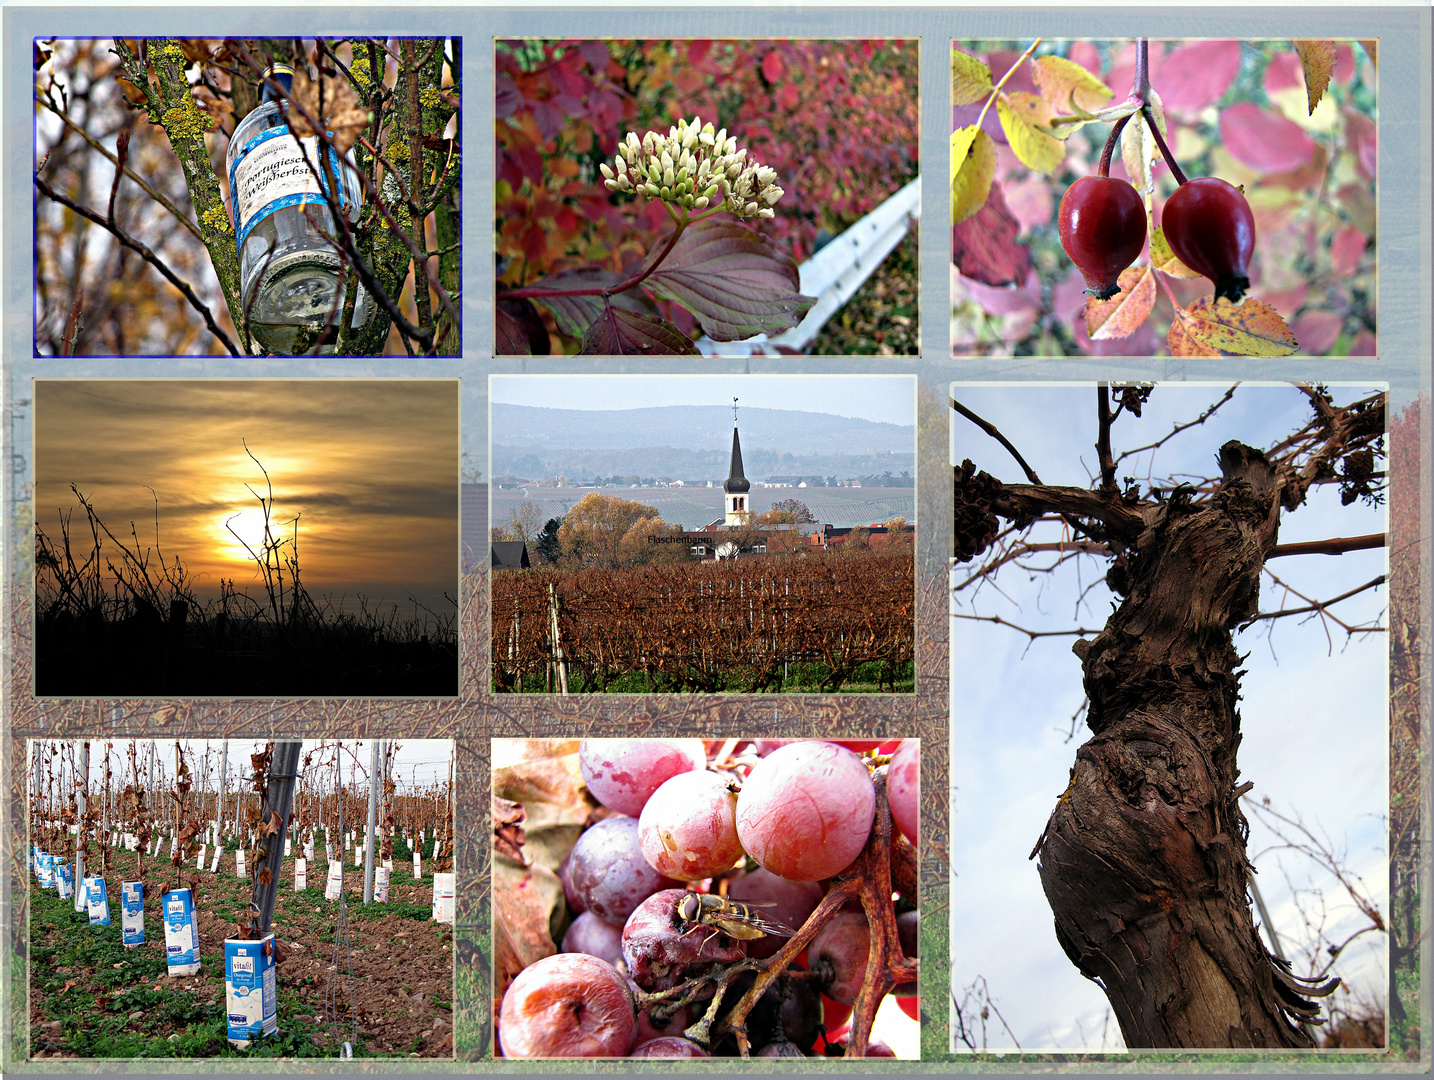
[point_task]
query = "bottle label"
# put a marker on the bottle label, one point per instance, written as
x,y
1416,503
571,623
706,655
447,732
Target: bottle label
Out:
x,y
273,171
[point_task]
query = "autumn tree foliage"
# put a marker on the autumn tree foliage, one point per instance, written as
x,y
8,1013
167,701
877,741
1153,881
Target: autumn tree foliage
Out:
x,y
1291,123
134,231
836,120
607,531
1144,859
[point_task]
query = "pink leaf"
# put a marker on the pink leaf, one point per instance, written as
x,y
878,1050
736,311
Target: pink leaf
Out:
x,y
735,280
1198,75
1283,73
1086,55
1316,330
1346,249
1263,141
618,332
697,50
984,246
772,67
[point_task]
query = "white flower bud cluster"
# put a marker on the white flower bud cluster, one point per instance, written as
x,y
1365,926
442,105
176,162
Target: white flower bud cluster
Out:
x,y
695,167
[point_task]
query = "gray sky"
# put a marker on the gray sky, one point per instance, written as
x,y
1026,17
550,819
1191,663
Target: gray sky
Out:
x,y
1314,709
887,399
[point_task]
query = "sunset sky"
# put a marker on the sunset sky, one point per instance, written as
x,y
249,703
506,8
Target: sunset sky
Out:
x,y
369,467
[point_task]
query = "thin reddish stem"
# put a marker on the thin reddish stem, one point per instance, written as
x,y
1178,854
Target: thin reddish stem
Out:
x,y
1175,169
1103,169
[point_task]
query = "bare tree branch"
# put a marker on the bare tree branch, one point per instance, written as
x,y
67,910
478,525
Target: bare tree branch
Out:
x,y
148,256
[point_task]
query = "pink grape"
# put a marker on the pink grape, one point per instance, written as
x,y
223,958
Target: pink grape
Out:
x,y
608,872
570,1005
688,830
622,774
806,809
669,1046
903,788
589,934
839,952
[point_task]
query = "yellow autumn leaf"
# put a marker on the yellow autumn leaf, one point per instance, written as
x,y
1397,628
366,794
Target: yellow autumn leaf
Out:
x,y
970,79
973,167
1249,328
1164,260
1019,113
1069,87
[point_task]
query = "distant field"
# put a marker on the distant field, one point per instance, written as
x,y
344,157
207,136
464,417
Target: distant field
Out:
x,y
695,507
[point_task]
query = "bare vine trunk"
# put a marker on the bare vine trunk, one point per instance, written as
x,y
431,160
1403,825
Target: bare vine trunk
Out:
x,y
1144,858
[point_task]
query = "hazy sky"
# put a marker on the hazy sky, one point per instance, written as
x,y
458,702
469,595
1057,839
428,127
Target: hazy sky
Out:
x,y
369,467
887,399
1314,709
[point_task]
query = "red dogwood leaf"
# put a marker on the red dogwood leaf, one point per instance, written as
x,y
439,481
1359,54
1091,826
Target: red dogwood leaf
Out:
x,y
735,280
518,329
576,313
619,332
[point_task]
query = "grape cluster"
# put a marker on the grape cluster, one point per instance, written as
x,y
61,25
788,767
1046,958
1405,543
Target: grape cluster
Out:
x,y
763,826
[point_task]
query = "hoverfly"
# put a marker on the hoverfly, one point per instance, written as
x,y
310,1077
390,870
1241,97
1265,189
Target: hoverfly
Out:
x,y
729,916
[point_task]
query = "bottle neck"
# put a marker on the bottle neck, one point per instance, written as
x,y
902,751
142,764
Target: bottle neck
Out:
x,y
278,81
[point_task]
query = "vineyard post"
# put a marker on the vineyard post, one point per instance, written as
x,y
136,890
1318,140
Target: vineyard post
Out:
x,y
83,802
372,822
219,795
559,665
283,769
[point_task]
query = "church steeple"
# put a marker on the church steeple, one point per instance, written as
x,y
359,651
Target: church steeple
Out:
x,y
736,485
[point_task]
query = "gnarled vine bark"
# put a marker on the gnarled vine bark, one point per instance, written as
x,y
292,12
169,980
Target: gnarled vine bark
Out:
x,y
1143,860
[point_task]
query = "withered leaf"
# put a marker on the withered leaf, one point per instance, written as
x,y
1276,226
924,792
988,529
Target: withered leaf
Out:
x,y
1123,313
1249,328
331,101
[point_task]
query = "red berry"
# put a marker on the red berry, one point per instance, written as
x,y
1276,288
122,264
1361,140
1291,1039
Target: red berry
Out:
x,y
1102,224
1209,226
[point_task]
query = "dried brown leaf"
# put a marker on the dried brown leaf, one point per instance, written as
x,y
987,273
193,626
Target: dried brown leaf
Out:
x,y
1317,58
332,102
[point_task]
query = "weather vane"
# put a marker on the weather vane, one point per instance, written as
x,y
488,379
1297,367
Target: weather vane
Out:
x,y
734,412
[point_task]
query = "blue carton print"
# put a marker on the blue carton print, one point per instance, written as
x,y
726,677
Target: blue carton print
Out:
x,y
251,991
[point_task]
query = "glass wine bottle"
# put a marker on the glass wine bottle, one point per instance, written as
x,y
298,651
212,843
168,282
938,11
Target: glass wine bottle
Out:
x,y
291,276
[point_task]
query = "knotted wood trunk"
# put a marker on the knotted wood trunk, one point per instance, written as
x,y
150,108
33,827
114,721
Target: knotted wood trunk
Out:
x,y
1144,858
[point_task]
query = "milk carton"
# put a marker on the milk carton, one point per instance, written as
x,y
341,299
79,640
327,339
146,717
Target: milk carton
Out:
x,y
64,878
250,990
380,885
132,913
98,901
443,898
301,867
334,887
181,937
